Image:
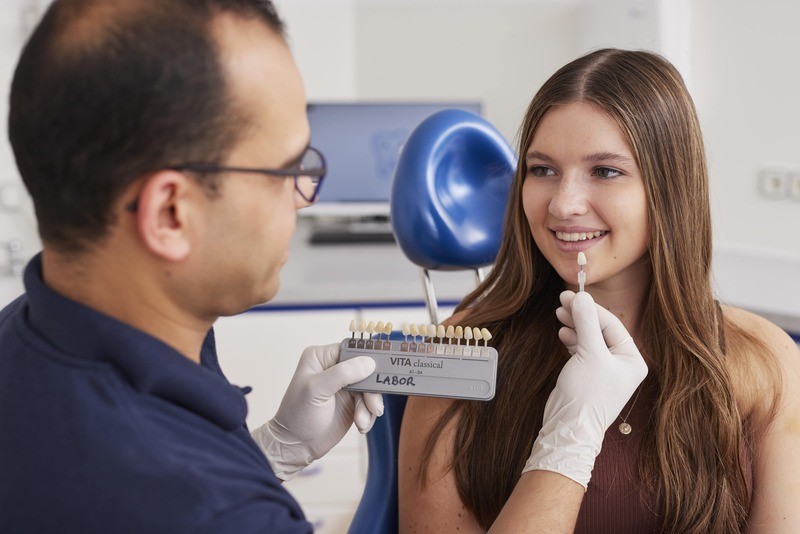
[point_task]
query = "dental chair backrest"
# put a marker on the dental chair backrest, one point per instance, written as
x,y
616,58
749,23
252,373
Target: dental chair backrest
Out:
x,y
448,202
449,195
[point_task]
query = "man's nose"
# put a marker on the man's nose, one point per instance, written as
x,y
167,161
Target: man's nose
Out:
x,y
570,198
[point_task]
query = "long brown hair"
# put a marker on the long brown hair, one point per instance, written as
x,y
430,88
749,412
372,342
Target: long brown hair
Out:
x,y
695,472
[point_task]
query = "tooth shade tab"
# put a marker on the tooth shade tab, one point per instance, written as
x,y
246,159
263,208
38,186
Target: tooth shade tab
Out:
x,y
486,334
440,331
423,330
387,328
467,333
581,259
450,332
459,334
406,330
579,236
431,330
379,327
476,333
414,330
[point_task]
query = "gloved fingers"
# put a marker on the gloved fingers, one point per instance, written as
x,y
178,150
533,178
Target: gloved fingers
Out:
x,y
565,317
327,383
569,338
374,403
615,334
566,298
320,357
587,324
362,416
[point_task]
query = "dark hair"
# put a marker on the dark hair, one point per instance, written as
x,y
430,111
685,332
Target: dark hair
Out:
x,y
107,91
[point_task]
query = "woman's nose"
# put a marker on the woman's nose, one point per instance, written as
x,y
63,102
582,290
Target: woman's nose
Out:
x,y
569,199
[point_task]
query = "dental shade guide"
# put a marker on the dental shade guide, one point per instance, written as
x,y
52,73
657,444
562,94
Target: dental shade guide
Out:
x,y
581,273
425,362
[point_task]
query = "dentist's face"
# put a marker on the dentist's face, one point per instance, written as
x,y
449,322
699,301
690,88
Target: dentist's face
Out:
x,y
583,192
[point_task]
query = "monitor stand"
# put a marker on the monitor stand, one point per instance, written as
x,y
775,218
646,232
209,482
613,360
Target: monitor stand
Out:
x,y
351,230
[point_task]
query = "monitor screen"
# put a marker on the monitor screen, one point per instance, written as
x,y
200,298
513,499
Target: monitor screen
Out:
x,y
361,143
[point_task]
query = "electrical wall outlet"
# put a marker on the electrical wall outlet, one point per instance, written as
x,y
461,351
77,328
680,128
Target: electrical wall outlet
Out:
x,y
772,183
794,185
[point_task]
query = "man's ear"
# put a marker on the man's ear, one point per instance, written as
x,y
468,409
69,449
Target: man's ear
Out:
x,y
162,214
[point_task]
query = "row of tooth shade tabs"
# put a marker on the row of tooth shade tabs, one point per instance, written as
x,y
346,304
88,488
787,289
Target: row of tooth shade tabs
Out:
x,y
423,331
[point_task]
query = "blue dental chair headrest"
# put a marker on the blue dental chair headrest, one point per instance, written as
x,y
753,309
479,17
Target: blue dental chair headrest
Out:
x,y
450,190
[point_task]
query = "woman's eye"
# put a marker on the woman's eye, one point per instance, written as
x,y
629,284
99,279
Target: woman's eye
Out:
x,y
606,172
538,170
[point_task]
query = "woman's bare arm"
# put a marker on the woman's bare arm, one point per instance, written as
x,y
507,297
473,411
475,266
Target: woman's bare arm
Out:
x,y
776,475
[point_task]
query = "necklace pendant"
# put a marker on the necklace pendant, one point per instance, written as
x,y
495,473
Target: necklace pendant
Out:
x,y
625,428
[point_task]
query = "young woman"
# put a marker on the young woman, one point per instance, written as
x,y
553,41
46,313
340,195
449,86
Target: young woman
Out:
x,y
611,164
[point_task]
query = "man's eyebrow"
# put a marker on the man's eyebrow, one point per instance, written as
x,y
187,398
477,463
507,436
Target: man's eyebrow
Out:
x,y
297,159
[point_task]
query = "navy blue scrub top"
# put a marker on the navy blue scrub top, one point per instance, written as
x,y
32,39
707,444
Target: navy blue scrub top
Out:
x,y
106,429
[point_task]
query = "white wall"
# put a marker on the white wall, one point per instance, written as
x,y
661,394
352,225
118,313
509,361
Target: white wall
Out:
x,y
19,224
747,80
495,52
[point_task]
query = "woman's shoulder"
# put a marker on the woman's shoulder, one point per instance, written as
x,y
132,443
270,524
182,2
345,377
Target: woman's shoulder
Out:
x,y
763,360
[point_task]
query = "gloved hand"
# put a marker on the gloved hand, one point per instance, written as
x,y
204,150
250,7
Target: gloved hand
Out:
x,y
595,384
315,412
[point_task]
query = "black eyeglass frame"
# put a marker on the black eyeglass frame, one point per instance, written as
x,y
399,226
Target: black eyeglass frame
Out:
x,y
293,173
318,173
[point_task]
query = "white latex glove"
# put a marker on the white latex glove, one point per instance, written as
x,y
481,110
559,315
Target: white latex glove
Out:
x,y
595,384
315,412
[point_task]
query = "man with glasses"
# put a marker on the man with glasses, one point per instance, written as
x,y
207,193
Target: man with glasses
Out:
x,y
165,145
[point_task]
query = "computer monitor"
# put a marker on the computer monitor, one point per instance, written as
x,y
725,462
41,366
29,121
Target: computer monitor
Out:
x,y
361,143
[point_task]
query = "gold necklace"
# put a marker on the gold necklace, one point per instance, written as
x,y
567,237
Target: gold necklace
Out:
x,y
624,426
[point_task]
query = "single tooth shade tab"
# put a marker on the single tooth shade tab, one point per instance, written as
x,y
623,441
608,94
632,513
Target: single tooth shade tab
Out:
x,y
414,329
440,331
387,328
431,330
476,333
370,327
450,332
467,333
379,327
362,327
486,334
423,330
353,326
459,332
581,258
406,330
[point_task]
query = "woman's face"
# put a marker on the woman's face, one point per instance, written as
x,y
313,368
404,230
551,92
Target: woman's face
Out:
x,y
583,192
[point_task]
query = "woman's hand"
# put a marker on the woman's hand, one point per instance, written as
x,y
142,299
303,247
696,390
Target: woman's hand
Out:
x,y
595,384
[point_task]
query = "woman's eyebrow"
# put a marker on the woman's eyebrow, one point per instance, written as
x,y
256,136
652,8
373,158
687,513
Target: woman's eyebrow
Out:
x,y
536,155
608,156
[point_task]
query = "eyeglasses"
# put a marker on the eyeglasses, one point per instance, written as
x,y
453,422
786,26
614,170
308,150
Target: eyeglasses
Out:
x,y
308,172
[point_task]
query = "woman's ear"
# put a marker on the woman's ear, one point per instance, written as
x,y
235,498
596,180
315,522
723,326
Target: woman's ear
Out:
x,y
162,214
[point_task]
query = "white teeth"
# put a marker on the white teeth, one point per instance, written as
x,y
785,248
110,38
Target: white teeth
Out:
x,y
579,236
